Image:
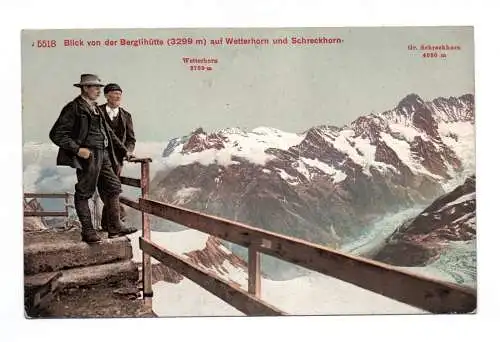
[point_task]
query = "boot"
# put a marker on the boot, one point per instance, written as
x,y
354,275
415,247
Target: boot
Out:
x,y
115,226
89,235
123,214
104,218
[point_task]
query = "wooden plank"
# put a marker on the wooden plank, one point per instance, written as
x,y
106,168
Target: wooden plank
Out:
x,y
129,202
131,181
66,204
44,195
147,270
45,213
254,278
231,294
422,292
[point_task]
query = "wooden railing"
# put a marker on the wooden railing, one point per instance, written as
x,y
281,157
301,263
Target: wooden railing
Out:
x,y
67,204
418,291
44,213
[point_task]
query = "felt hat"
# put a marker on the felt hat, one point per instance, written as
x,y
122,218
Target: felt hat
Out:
x,y
89,80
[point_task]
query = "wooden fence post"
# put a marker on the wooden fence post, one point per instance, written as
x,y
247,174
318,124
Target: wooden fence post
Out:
x,y
146,234
66,209
66,204
254,279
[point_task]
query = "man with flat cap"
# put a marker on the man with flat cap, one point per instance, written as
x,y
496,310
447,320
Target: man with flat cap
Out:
x,y
122,126
86,143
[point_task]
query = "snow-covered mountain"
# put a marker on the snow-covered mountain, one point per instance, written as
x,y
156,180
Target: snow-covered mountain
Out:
x,y
450,221
324,184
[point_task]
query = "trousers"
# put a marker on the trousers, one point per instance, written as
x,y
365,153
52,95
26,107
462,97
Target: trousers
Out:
x,y
97,172
104,219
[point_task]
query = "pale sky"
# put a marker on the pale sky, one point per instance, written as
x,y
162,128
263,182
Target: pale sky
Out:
x,y
289,87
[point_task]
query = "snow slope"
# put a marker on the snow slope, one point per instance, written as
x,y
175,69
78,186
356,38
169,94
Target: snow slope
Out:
x,y
179,242
311,295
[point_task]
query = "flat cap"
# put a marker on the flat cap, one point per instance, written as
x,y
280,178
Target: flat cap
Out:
x,y
112,87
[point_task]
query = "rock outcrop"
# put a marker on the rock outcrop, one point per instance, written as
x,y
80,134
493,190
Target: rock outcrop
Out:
x,y
450,218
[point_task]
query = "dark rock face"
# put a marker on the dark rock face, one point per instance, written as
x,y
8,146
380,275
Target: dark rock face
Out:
x,y
452,217
160,272
200,141
328,181
214,258
407,254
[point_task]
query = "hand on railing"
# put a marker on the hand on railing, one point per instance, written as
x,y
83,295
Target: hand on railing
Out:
x,y
129,155
131,158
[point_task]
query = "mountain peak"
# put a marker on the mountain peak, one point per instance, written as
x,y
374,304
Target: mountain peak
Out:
x,y
199,130
411,100
469,98
200,141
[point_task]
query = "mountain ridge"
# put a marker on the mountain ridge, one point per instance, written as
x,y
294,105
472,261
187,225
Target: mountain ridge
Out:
x,y
304,185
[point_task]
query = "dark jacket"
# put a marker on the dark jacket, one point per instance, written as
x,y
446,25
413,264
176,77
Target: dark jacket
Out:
x,y
124,132
72,128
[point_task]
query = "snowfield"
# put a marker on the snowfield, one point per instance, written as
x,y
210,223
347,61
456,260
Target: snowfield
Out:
x,y
460,137
179,242
311,295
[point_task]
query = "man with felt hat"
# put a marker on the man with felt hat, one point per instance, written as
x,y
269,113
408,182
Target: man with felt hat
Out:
x,y
87,144
120,122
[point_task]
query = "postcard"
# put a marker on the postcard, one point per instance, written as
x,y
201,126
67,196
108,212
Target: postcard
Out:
x,y
249,171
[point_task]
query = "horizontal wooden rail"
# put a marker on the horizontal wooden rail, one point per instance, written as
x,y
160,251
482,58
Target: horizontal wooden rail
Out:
x,y
45,213
240,299
47,195
422,292
131,181
131,203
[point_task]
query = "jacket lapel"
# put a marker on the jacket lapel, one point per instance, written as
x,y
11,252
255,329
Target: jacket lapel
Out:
x,y
124,123
83,105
